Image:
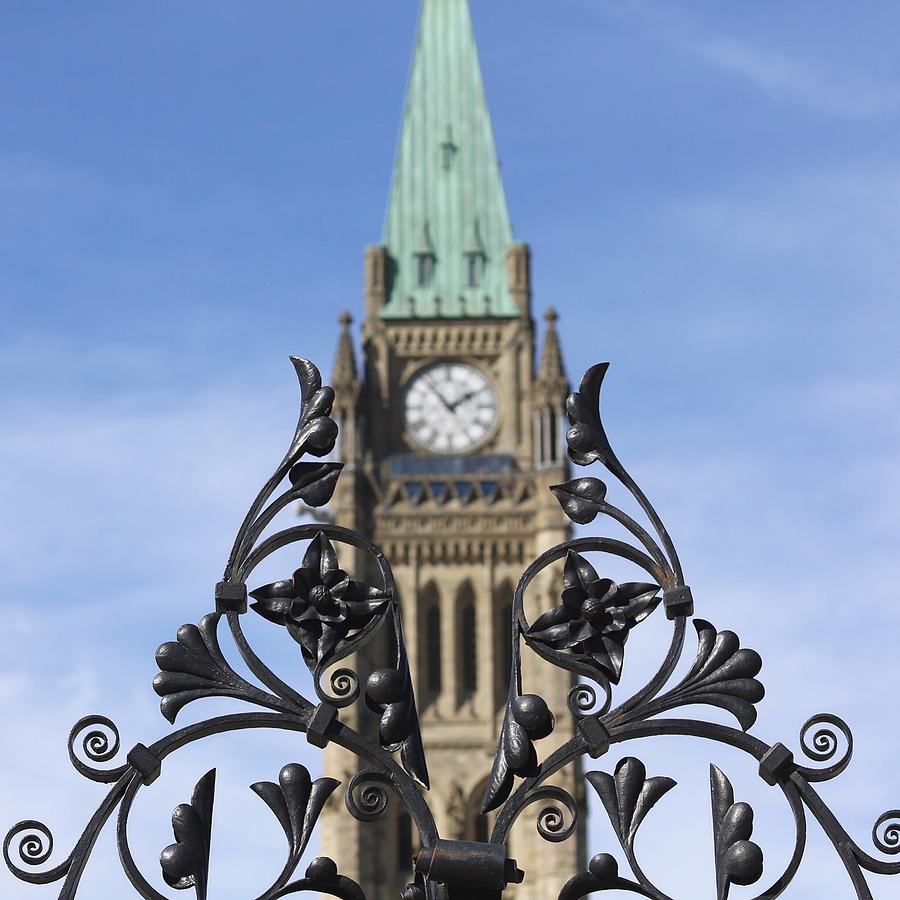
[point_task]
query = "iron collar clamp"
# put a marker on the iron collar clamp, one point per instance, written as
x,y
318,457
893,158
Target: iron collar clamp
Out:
x,y
469,864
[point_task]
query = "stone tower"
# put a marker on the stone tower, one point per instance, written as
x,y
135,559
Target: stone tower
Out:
x,y
451,434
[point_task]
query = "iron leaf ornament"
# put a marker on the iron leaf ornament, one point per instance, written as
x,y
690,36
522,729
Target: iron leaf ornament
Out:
x,y
628,795
723,675
193,667
528,719
586,436
331,615
389,693
316,431
738,859
297,801
582,499
185,864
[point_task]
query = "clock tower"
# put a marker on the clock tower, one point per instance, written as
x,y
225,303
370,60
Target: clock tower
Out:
x,y
451,436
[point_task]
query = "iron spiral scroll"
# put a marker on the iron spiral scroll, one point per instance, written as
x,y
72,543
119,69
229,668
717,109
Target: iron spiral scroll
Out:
x,y
330,616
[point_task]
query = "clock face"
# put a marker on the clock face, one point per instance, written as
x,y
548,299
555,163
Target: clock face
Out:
x,y
450,407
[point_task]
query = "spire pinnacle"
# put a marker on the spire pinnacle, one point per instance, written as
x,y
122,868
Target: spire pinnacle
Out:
x,y
552,372
345,375
447,194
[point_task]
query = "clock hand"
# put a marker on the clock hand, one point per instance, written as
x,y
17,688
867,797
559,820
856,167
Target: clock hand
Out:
x,y
465,397
440,396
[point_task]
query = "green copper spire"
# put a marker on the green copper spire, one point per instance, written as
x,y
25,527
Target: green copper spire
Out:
x,y
447,227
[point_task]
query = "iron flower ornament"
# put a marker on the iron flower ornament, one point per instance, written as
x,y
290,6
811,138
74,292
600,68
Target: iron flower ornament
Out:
x,y
331,615
594,617
321,606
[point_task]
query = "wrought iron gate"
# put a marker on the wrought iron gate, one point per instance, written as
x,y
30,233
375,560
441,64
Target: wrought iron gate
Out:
x,y
331,615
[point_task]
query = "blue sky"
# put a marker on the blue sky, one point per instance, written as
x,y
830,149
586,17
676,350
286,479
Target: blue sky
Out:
x,y
712,193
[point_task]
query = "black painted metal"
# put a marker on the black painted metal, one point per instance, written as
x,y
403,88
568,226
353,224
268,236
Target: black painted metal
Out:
x,y
331,616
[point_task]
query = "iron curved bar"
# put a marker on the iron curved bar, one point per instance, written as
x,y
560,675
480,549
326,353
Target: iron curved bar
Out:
x,y
343,735
652,890
306,532
622,474
640,534
658,682
73,866
31,835
264,518
781,884
342,887
96,746
838,834
561,831
135,876
612,546
266,492
261,670
583,885
829,741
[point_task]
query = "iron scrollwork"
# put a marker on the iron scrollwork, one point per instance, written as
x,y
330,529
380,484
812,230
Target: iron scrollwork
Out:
x,y
331,616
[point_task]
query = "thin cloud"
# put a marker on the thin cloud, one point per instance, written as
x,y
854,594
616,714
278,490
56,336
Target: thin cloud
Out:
x,y
785,77
790,79
841,219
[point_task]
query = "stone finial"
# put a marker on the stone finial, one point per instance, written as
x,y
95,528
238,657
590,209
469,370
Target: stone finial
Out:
x,y
551,371
345,373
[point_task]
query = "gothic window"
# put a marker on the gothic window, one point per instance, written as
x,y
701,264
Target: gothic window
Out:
x,y
504,656
429,632
502,628
425,272
547,444
433,649
475,269
554,435
468,643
